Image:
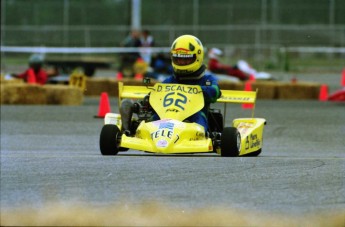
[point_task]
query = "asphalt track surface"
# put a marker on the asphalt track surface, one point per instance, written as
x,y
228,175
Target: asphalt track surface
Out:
x,y
51,153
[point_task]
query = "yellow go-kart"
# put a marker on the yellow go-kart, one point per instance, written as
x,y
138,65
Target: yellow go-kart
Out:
x,y
174,103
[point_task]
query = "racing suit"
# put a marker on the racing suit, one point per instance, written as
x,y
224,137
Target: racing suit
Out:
x,y
34,76
210,89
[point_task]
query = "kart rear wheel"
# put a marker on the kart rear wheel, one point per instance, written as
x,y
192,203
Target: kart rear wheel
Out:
x,y
230,142
108,140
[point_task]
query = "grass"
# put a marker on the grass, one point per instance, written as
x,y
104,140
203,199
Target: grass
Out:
x,y
153,214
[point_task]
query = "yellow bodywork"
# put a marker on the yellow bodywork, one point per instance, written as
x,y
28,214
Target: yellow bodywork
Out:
x,y
168,136
174,103
251,130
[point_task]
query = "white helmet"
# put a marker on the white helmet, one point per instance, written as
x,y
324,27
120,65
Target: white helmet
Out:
x,y
214,53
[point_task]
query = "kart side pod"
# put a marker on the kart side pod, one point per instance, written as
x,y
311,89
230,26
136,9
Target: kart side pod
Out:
x,y
251,130
113,119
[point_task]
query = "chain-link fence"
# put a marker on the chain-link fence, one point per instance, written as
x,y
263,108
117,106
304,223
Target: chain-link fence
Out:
x,y
251,27
257,36
94,23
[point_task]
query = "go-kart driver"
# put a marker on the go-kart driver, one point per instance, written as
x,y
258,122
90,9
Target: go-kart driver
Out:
x,y
35,73
187,55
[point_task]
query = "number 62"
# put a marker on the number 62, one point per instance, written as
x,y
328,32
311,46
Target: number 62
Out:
x,y
168,100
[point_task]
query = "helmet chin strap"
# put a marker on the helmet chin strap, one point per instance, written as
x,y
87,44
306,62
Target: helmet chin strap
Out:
x,y
191,76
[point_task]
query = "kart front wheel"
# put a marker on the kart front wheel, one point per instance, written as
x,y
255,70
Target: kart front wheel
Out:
x,y
108,140
230,142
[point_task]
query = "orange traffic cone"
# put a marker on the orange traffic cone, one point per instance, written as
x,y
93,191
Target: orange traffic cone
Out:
x,y
343,78
323,96
251,77
119,76
138,76
104,105
294,80
247,87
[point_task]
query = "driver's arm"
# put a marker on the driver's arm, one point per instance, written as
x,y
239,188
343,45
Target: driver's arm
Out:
x,y
211,90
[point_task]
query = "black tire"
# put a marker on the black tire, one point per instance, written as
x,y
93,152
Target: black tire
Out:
x,y
123,148
230,142
108,140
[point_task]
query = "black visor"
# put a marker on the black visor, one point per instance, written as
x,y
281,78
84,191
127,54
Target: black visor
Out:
x,y
183,59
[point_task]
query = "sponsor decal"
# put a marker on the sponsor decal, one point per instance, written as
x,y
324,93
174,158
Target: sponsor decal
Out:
x,y
167,125
197,136
200,134
159,122
114,121
166,131
183,55
252,141
244,126
236,98
162,133
162,143
172,110
139,93
180,51
177,138
177,87
194,139
183,71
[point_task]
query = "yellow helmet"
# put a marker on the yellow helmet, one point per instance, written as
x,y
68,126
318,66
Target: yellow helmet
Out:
x,y
187,55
